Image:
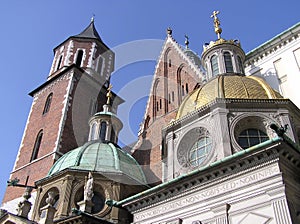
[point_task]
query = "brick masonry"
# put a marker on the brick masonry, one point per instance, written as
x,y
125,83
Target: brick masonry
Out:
x,y
173,81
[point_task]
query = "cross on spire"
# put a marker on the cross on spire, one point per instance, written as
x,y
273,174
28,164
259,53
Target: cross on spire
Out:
x,y
218,29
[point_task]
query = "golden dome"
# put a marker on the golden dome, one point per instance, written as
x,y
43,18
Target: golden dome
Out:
x,y
227,86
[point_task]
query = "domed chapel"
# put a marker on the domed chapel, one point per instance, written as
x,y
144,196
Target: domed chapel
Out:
x,y
216,145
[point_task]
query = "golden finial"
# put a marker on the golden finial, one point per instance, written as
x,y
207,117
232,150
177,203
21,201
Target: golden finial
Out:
x,y
186,42
218,29
109,95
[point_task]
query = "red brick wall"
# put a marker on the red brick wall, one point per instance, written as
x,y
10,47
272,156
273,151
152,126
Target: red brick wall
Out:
x,y
148,152
74,130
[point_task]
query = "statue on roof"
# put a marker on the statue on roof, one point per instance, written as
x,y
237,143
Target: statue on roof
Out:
x,y
88,188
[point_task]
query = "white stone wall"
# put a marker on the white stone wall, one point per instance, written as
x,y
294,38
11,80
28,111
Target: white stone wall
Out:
x,y
255,196
287,80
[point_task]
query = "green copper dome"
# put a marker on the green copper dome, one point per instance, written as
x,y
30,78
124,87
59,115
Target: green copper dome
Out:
x,y
100,157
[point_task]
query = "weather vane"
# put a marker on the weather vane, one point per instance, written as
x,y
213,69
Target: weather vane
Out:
x,y
109,95
218,29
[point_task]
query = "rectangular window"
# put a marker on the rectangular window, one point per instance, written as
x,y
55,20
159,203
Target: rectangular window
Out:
x,y
297,56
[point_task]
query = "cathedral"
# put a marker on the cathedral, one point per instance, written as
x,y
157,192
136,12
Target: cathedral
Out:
x,y
218,143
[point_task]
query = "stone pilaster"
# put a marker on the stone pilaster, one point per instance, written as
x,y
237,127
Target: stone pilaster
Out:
x,y
67,185
281,211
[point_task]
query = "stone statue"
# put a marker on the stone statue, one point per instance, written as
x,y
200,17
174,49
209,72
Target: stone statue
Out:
x,y
88,188
50,200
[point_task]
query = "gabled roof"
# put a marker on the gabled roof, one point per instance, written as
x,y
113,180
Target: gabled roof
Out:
x,y
89,32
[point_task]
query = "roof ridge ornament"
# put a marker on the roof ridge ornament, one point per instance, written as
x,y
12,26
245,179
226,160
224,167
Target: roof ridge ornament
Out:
x,y
218,29
169,31
186,42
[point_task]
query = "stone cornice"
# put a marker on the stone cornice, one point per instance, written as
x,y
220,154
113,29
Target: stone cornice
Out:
x,y
273,45
257,156
231,103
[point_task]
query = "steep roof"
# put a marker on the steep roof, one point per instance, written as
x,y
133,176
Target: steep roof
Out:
x,y
89,32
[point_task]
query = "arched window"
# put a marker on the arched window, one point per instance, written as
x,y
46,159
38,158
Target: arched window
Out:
x,y
103,130
48,103
200,150
93,131
37,145
100,66
170,63
187,88
251,137
59,62
241,67
214,65
79,57
228,62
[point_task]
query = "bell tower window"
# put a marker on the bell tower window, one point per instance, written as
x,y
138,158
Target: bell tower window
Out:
x,y
228,62
79,58
37,145
100,65
47,103
93,131
214,65
103,130
59,63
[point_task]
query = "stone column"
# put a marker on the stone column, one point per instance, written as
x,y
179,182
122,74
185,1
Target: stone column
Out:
x,y
221,214
221,132
281,211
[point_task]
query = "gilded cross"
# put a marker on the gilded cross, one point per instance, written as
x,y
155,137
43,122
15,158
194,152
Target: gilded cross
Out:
x,y
109,95
218,29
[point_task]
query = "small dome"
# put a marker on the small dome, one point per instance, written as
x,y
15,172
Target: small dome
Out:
x,y
227,86
100,157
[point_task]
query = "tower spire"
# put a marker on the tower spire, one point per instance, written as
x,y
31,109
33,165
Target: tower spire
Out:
x,y
218,29
93,18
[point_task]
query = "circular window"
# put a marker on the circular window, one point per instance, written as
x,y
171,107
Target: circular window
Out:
x,y
195,148
200,150
251,137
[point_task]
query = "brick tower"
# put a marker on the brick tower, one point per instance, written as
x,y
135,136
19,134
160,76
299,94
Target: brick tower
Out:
x,y
58,120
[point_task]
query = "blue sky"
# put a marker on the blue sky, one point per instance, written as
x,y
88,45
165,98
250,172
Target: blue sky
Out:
x,y
31,29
